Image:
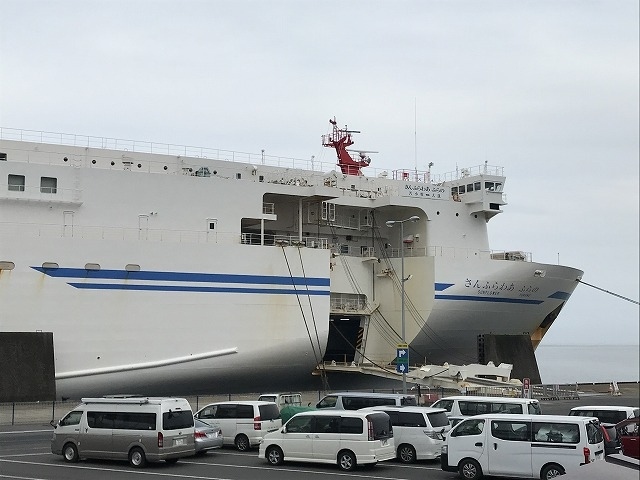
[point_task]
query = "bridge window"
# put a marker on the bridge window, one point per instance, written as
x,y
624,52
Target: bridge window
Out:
x,y
16,183
48,185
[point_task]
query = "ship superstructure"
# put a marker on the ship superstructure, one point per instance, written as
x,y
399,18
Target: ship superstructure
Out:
x,y
165,269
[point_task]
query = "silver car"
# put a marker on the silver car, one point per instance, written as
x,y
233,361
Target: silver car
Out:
x,y
207,437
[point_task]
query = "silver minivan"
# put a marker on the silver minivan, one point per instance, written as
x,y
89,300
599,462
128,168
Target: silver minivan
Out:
x,y
139,429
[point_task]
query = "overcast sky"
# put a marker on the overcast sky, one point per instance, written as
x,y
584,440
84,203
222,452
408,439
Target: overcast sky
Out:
x,y
547,89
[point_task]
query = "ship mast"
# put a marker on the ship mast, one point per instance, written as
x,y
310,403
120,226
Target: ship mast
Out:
x,y
340,139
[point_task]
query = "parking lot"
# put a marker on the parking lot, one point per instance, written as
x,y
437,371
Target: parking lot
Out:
x,y
25,454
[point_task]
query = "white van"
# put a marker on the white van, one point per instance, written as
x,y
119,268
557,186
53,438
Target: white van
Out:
x,y
418,432
243,423
529,446
459,407
139,429
282,399
345,438
358,400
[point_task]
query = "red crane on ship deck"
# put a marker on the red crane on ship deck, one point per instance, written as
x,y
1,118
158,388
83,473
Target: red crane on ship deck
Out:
x,y
340,139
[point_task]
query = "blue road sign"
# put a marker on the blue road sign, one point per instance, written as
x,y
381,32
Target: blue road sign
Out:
x,y
402,358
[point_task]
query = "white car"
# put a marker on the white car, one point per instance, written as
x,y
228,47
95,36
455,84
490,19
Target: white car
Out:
x,y
346,438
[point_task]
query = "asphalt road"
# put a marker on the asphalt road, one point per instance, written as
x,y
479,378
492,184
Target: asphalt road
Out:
x,y
25,454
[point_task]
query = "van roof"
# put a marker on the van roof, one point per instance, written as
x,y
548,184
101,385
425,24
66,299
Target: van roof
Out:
x,y
338,413
612,408
490,399
529,417
132,400
240,402
370,394
408,408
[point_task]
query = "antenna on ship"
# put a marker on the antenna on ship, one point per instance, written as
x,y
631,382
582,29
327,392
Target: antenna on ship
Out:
x,y
340,139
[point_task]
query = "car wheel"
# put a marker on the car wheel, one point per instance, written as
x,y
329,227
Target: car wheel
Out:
x,y
469,469
346,460
551,471
274,455
70,453
137,458
242,443
406,453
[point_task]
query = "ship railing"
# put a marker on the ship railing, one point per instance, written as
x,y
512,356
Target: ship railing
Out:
x,y
283,240
184,151
348,302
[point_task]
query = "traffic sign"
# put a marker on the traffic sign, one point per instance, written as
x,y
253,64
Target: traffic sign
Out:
x,y
402,358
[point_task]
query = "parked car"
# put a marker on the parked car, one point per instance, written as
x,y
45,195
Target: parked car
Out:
x,y
282,399
609,416
343,437
525,446
418,432
207,437
629,436
459,407
358,400
243,423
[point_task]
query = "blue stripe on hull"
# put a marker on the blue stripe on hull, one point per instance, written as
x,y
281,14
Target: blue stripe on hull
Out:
x,y
470,298
81,273
187,288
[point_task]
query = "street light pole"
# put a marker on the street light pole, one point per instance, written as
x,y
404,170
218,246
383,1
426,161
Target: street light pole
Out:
x,y
391,223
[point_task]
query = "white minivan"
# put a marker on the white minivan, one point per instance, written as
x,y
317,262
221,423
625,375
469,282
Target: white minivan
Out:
x,y
243,423
418,432
528,446
139,429
461,406
358,400
345,438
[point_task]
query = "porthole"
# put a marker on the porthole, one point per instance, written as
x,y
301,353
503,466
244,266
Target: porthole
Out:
x,y
165,167
132,267
457,214
476,215
215,172
65,159
139,165
112,163
50,265
438,212
4,265
93,161
92,266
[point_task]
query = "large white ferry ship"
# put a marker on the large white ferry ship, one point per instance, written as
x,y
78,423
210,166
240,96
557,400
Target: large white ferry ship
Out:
x,y
162,269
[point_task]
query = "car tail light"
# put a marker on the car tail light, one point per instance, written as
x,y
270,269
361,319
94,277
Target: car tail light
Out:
x,y
587,454
370,429
160,440
256,423
199,434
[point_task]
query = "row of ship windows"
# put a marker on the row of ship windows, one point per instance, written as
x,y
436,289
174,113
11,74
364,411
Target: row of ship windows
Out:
x,y
489,186
7,265
16,183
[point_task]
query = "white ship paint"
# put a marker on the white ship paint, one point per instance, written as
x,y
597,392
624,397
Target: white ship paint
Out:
x,y
163,269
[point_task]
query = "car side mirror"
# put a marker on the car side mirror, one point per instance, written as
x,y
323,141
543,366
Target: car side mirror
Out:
x,y
53,423
284,430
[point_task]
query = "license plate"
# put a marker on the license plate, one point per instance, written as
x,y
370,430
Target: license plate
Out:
x,y
179,441
212,435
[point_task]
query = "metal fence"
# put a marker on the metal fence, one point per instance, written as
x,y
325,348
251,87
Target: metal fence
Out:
x,y
42,413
